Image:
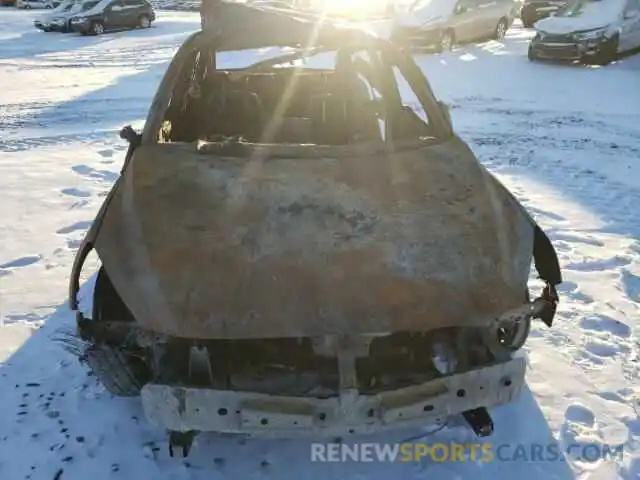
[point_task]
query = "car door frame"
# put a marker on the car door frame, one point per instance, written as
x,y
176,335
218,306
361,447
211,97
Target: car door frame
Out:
x,y
462,22
489,13
132,12
112,15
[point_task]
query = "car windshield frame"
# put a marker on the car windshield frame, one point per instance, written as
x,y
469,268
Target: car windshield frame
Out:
x,y
89,5
575,9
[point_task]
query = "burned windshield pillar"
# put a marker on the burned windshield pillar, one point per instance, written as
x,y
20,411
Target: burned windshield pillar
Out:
x,y
209,12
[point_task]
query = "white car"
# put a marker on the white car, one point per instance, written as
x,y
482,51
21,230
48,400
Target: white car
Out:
x,y
29,4
591,31
58,19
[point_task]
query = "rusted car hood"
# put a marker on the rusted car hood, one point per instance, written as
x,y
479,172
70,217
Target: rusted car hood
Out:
x,y
305,241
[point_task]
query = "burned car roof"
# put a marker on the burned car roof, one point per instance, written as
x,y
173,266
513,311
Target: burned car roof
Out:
x,y
227,22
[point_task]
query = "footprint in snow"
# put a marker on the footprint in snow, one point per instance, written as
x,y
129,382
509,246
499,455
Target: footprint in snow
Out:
x,y
87,171
598,265
631,285
74,227
623,396
603,348
106,153
75,192
74,244
79,204
562,246
21,262
579,435
587,360
632,470
603,323
571,289
537,212
572,238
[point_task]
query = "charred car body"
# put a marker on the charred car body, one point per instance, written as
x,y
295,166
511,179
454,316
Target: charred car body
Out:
x,y
293,250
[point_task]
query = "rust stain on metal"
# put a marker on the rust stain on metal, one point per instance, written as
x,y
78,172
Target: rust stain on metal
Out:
x,y
340,240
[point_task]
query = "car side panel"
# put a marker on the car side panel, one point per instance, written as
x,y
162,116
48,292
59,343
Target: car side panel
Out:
x,y
630,26
463,24
489,13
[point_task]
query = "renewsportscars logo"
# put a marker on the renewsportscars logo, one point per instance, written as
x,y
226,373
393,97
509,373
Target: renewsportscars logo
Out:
x,y
461,452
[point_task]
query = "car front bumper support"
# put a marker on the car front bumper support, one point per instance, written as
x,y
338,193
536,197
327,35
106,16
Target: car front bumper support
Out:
x,y
185,409
566,50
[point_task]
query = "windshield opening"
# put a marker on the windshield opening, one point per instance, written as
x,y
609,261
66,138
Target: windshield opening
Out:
x,y
88,6
332,98
576,9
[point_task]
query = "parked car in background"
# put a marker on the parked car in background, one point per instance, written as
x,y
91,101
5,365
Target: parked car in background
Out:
x,y
590,31
534,10
106,15
58,18
29,4
440,24
7,3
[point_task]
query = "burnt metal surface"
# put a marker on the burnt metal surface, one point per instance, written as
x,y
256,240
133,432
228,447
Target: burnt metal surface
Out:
x,y
186,409
272,27
265,246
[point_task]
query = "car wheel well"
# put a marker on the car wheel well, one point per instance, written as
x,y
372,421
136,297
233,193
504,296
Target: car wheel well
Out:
x,y
142,17
501,21
94,23
452,39
107,303
608,52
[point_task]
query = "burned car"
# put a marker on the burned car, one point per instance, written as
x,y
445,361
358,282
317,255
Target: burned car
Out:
x,y
294,250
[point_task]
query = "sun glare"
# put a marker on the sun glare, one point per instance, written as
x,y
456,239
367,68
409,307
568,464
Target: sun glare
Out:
x,y
353,7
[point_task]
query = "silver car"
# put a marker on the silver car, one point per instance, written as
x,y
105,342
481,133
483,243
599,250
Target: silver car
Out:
x,y
591,31
440,24
58,19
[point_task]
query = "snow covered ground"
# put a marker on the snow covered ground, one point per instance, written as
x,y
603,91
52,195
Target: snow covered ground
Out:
x,y
564,139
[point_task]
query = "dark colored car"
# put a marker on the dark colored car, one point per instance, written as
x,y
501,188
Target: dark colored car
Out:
x,y
534,10
107,15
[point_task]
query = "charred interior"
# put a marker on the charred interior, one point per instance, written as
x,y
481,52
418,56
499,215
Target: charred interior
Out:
x,y
270,104
288,366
